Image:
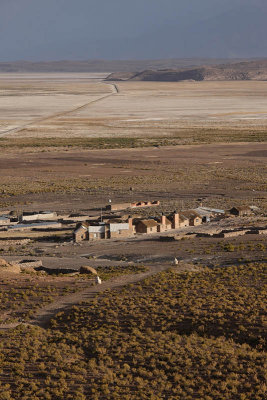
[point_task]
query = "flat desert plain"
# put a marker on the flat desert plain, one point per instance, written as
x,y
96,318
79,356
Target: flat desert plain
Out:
x,y
224,174
31,99
82,105
70,136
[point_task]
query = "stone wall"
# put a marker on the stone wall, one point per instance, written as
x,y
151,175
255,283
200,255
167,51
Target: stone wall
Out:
x,y
230,234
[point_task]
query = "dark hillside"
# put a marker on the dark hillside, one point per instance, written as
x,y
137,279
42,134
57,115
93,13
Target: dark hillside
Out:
x,y
254,70
110,65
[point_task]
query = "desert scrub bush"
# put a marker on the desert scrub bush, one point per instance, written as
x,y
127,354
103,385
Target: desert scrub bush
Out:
x,y
220,300
192,136
110,272
176,336
22,297
229,247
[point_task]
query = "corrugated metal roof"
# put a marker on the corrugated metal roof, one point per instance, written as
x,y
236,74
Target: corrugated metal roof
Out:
x,y
203,213
213,210
35,225
96,229
119,227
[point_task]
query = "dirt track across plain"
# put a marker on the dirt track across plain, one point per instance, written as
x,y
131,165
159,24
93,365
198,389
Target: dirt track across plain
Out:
x,y
18,129
140,109
45,314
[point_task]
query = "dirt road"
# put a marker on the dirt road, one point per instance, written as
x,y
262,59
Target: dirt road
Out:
x,y
61,114
45,314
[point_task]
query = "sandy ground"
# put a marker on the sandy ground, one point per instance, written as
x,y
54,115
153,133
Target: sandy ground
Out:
x,y
24,98
139,109
52,76
105,163
193,101
82,180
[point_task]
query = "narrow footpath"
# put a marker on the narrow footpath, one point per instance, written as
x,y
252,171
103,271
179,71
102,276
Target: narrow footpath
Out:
x,y
45,314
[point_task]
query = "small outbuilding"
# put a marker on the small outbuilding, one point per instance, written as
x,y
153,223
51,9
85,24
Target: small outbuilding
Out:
x,y
194,218
147,226
81,232
241,211
164,224
183,221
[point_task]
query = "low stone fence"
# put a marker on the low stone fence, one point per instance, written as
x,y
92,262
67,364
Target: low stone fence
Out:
x,y
230,234
211,234
28,264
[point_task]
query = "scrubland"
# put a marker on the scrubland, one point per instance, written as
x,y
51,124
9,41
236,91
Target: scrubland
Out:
x,y
225,174
175,335
21,296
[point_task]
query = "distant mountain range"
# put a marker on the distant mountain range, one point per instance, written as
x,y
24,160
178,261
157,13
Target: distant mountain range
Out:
x,y
253,70
120,66
109,66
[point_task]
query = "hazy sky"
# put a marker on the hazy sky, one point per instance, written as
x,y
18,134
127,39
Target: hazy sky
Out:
x,y
83,29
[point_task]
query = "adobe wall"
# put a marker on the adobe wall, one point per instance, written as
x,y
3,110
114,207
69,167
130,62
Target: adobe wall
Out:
x,y
138,204
164,228
123,233
195,222
230,234
184,224
39,217
80,235
119,206
96,236
141,204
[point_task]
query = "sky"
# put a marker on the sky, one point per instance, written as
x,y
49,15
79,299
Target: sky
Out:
x,y
46,30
